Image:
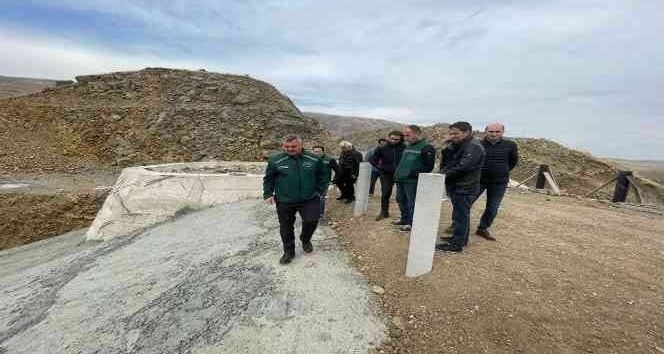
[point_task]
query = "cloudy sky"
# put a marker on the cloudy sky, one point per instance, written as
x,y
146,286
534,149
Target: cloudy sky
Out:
x,y
583,73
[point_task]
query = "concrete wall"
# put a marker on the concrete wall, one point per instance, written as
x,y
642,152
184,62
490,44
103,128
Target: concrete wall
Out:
x,y
147,195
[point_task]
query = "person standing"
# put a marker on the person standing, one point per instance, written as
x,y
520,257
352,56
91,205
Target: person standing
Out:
x,y
386,159
418,157
502,155
294,180
462,165
330,166
349,169
375,172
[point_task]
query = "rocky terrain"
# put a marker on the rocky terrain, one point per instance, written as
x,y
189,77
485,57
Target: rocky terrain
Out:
x,y
148,116
19,86
344,126
61,148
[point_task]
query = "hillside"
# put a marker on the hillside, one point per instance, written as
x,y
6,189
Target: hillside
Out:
x,y
344,126
577,172
19,86
148,116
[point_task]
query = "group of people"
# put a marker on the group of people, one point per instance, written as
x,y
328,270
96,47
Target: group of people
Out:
x,y
297,181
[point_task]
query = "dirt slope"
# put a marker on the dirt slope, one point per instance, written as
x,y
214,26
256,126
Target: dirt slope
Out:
x,y
19,86
345,126
148,116
565,276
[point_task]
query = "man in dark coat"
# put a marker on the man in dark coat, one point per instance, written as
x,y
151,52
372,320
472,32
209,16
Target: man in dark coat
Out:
x,y
386,159
462,165
502,156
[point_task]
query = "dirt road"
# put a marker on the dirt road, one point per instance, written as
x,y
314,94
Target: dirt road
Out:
x,y
566,276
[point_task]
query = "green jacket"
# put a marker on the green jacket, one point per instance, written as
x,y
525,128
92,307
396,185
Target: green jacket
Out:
x,y
416,158
294,179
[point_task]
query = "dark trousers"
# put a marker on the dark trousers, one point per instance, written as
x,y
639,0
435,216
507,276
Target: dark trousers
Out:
x,y
461,205
309,212
347,188
406,193
374,177
386,185
494,195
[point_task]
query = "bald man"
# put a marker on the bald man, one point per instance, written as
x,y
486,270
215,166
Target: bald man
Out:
x,y
502,156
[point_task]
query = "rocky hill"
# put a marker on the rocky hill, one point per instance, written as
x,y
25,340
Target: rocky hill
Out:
x,y
147,116
345,126
577,172
19,86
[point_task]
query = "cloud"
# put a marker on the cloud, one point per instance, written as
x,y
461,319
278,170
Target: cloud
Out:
x,y
573,71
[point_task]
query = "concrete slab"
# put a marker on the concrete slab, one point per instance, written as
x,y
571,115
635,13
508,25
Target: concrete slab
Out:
x,y
208,282
147,195
362,185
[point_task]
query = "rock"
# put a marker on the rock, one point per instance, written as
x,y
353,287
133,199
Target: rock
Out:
x,y
378,290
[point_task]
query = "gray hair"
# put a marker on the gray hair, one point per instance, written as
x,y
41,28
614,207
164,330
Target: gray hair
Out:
x,y
346,144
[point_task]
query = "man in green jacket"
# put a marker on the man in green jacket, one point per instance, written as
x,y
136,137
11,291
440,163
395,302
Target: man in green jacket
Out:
x,y
418,157
295,180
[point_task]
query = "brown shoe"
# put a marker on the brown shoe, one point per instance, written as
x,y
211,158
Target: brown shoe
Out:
x,y
485,233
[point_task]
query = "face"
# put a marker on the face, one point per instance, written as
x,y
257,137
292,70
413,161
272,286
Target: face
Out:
x,y
393,139
456,135
494,132
292,148
409,135
317,151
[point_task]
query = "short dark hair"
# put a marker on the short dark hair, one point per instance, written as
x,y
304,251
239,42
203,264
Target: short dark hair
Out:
x,y
319,147
463,126
397,133
415,129
291,137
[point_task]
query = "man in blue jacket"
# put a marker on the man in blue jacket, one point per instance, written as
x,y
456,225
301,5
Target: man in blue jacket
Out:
x,y
502,155
295,180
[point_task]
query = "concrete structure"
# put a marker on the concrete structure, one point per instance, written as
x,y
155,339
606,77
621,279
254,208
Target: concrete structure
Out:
x,y
147,195
206,282
425,224
362,190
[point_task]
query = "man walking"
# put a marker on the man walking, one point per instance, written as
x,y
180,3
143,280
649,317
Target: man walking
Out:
x,y
330,166
502,156
295,180
417,157
386,159
462,165
349,169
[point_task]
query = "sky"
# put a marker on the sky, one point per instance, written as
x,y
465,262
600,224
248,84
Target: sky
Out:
x,y
583,73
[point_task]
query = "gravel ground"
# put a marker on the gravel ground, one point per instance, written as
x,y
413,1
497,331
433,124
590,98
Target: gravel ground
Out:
x,y
565,276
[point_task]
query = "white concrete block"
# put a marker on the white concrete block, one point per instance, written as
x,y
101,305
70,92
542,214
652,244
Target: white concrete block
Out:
x,y
362,185
425,224
146,195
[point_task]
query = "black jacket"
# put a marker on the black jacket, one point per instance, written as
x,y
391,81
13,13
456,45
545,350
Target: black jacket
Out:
x,y
462,165
501,158
386,158
349,165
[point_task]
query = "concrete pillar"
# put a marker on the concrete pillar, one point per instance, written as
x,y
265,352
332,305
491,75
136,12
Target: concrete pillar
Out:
x,y
362,190
425,224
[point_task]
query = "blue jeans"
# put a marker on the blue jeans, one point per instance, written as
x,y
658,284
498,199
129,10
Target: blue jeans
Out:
x,y
406,193
461,204
494,195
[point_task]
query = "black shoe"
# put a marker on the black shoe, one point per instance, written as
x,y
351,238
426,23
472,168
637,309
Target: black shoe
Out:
x,y
307,247
381,216
348,201
398,223
448,248
286,258
447,239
